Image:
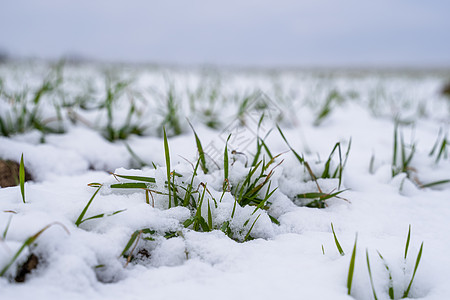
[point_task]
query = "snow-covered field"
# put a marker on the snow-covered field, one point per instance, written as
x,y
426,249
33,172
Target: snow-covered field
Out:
x,y
249,228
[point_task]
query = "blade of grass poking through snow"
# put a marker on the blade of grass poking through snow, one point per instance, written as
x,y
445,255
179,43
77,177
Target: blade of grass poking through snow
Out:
x,y
370,275
130,242
225,163
338,246
391,281
201,153
134,237
80,218
419,256
209,217
430,184
173,187
251,228
137,178
129,185
189,192
407,241
166,151
102,215
394,157
135,156
5,232
351,268
299,158
326,170
28,242
22,178
442,150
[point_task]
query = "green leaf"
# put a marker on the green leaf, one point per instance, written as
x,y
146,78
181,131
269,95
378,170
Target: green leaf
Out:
x,y
419,256
251,228
80,218
391,281
430,184
137,178
225,162
22,178
370,275
209,217
351,268
338,245
407,241
201,153
102,215
130,242
166,151
129,185
300,159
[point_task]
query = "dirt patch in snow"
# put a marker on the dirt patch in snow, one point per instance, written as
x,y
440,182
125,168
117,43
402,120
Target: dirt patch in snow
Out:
x,y
9,173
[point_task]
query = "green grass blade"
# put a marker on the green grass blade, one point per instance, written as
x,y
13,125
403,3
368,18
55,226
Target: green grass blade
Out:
x,y
391,281
174,191
80,218
299,158
338,245
129,185
167,155
130,242
137,178
225,162
209,217
201,153
370,276
203,224
251,228
22,178
407,241
326,171
102,215
419,256
351,268
394,156
135,156
5,232
189,188
318,196
430,184
442,150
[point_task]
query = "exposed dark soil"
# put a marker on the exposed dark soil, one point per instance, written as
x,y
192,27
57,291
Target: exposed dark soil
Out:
x,y
9,173
446,89
26,268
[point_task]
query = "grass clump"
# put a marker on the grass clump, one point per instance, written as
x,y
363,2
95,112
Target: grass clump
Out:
x,y
171,118
114,91
440,147
318,198
324,112
391,291
23,111
402,154
179,190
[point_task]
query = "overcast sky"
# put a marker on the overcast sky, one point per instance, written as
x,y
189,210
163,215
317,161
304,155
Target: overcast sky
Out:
x,y
283,32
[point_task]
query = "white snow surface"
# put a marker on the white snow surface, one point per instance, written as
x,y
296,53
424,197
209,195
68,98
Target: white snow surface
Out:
x,y
297,259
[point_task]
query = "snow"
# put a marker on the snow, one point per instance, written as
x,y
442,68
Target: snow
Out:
x,y
297,258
